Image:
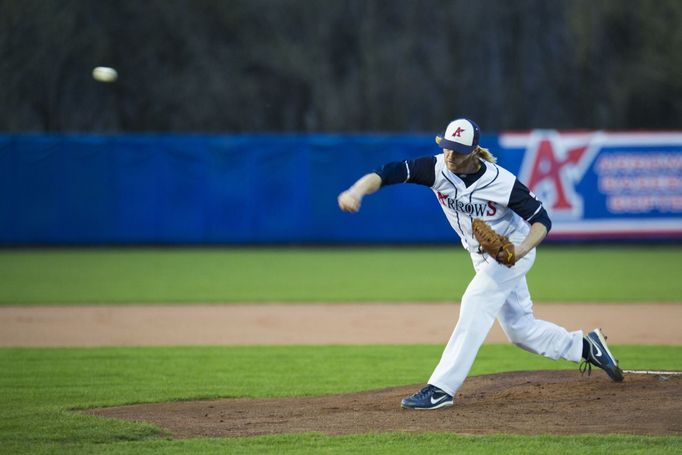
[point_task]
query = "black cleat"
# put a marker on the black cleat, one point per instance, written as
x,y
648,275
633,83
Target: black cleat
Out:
x,y
430,397
600,356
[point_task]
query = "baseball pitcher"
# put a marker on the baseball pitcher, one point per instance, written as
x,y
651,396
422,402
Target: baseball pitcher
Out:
x,y
500,223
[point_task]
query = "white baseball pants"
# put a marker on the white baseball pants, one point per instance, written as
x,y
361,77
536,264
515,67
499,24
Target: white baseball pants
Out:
x,y
499,292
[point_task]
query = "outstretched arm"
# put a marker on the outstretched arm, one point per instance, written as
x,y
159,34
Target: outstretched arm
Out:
x,y
420,171
351,199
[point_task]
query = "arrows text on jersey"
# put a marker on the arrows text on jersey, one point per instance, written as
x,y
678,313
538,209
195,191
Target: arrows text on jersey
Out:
x,y
479,210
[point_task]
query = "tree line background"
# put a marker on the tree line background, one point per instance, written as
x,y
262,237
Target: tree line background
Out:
x,y
339,65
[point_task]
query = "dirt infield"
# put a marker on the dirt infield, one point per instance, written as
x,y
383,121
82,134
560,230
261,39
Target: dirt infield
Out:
x,y
263,324
538,402
561,402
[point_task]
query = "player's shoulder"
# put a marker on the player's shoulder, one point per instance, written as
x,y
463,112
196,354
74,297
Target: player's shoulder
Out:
x,y
440,162
495,167
499,176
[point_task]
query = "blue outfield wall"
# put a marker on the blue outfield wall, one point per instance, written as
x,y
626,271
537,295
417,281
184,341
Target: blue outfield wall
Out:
x,y
252,189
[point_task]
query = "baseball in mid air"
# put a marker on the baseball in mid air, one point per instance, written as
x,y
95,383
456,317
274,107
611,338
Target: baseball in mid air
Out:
x,y
104,74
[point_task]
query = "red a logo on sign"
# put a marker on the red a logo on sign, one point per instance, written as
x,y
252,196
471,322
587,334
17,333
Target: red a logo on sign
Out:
x,y
553,167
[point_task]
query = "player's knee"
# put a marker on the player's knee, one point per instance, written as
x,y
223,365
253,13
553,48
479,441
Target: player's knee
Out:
x,y
517,331
515,337
469,299
525,347
469,306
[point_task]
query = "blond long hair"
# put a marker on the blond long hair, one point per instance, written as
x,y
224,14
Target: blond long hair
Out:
x,y
485,154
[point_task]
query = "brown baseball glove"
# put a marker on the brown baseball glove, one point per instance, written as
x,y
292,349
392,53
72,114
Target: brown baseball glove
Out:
x,y
496,245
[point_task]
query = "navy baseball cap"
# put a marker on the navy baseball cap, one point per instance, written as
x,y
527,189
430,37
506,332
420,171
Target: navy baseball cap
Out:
x,y
461,135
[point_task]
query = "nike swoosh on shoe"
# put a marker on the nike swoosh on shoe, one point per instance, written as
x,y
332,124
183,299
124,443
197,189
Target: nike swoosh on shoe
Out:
x,y
598,350
436,400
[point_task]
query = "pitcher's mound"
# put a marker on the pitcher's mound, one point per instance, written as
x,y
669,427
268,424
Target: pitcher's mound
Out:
x,y
555,402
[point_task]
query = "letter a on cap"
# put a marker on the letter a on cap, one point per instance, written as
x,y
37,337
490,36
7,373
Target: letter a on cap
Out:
x,y
461,135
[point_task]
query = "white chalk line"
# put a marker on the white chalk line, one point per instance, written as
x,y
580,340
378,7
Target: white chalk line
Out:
x,y
652,372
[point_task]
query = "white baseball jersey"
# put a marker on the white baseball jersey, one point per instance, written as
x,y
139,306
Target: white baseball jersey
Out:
x,y
492,194
486,198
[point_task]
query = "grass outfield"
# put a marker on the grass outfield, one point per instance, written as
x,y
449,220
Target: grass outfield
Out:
x,y
39,387
607,274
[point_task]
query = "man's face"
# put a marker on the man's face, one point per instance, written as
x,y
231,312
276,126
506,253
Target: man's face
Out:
x,y
455,161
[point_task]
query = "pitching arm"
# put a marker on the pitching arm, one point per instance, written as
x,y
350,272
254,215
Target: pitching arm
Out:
x,y
351,199
420,171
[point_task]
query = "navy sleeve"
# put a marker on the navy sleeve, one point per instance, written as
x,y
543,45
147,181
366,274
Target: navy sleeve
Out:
x,y
542,217
527,206
421,171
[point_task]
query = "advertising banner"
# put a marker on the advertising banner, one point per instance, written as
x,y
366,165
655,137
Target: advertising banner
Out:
x,y
602,185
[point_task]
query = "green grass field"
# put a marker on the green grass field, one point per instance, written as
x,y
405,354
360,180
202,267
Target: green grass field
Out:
x,y
613,274
41,388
